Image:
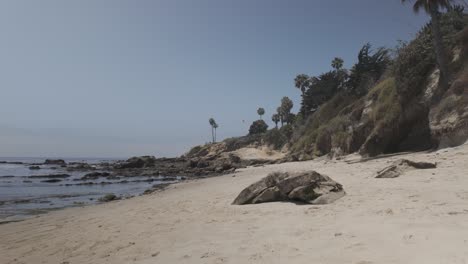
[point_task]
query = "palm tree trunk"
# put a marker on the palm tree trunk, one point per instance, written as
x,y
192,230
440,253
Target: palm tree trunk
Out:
x,y
215,136
212,134
440,53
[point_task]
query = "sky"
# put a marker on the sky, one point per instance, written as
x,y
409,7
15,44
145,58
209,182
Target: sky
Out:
x,y
117,78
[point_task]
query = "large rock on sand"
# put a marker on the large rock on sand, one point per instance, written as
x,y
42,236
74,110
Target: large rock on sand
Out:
x,y
307,187
402,165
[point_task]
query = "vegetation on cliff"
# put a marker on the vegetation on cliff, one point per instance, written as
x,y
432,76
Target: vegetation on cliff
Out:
x,y
411,97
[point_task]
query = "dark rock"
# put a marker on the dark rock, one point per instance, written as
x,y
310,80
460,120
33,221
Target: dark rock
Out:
x,y
234,158
52,180
34,168
95,175
308,187
55,162
203,164
223,167
193,163
168,179
50,176
79,166
402,165
255,162
138,162
267,195
108,197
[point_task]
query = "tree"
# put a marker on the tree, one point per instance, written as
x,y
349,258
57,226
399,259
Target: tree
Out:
x,y
260,112
258,127
214,126
369,68
337,64
302,82
322,89
285,109
275,118
432,7
280,115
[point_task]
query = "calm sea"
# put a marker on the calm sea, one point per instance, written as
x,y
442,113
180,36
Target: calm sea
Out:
x,y
22,196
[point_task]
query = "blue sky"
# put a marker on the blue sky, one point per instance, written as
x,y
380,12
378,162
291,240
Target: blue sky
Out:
x,y
115,78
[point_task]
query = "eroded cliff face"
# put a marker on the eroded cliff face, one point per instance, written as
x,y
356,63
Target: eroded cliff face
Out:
x,y
405,111
449,117
423,123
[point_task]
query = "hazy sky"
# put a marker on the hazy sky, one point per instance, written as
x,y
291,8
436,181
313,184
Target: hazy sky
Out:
x,y
96,78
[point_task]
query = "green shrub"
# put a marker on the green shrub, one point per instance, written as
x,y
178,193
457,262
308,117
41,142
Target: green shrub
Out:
x,y
258,127
415,60
275,138
287,131
386,101
236,143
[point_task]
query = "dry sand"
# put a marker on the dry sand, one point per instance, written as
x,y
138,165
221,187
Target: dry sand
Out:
x,y
420,217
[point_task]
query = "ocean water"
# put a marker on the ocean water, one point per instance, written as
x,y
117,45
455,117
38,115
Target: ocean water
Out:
x,y
22,195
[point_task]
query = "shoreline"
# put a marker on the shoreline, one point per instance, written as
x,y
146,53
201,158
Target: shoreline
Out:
x,y
399,220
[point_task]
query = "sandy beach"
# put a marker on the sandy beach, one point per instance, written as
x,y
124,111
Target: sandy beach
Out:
x,y
420,217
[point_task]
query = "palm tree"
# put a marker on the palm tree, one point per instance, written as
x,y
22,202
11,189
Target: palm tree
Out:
x,y
280,115
260,112
214,126
275,118
337,63
285,110
302,82
432,7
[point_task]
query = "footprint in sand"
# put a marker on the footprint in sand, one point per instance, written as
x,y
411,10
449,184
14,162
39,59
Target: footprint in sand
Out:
x,y
220,260
208,254
256,256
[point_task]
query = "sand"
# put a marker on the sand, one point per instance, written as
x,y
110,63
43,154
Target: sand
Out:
x,y
420,217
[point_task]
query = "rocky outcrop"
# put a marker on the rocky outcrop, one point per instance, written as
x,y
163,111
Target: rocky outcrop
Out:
x,y
108,197
52,180
307,187
137,162
95,175
55,162
80,166
401,166
449,118
50,176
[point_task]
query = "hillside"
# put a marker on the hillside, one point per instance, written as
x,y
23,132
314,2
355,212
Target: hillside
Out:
x,y
404,111
391,101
